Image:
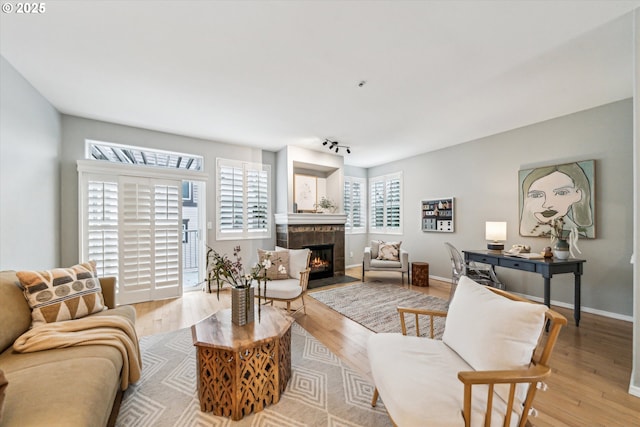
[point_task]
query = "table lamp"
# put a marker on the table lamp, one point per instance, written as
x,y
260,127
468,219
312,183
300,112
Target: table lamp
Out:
x,y
496,231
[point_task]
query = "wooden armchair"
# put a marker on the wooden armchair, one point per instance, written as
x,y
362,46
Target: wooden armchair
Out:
x,y
484,372
294,285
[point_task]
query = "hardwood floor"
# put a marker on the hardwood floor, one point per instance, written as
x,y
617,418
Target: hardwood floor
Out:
x,y
591,364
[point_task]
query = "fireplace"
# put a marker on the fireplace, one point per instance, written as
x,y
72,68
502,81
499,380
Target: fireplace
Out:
x,y
321,261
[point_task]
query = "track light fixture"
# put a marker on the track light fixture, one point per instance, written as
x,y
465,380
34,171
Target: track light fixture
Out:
x,y
335,145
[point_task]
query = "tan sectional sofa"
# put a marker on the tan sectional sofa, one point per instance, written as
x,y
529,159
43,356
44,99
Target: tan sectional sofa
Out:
x,y
73,386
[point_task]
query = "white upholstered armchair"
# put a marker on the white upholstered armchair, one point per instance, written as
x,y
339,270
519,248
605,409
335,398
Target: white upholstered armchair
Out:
x,y
381,256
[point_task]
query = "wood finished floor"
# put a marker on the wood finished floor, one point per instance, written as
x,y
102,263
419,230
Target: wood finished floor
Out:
x,y
591,364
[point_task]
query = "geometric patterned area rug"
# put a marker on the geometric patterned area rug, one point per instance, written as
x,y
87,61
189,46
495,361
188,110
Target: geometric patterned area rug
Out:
x,y
374,306
322,391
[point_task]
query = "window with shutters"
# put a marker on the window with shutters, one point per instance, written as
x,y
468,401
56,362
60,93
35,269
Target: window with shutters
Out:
x,y
102,225
243,200
355,205
385,202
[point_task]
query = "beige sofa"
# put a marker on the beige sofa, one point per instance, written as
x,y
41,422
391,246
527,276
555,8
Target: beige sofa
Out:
x,y
74,386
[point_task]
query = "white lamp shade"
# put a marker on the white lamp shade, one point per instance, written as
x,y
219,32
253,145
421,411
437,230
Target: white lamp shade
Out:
x,y
496,231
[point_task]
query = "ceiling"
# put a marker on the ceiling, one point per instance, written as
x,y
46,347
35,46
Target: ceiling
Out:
x,y
275,73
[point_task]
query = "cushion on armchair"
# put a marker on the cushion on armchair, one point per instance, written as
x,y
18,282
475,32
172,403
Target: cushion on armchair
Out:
x,y
298,261
375,247
278,259
389,251
491,332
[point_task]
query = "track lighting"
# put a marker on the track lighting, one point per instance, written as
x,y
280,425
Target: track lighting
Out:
x,y
335,145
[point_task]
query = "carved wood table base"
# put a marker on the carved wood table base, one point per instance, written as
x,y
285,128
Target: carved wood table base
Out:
x,y
242,369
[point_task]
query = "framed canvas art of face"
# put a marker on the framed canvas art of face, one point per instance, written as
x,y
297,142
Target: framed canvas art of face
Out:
x,y
564,191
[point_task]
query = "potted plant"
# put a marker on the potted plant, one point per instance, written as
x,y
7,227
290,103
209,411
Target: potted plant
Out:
x,y
221,270
326,205
563,241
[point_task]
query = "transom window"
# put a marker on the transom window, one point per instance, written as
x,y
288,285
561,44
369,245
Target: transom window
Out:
x,y
131,155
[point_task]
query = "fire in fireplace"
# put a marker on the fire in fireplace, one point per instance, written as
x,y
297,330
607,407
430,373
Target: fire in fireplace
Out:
x,y
321,261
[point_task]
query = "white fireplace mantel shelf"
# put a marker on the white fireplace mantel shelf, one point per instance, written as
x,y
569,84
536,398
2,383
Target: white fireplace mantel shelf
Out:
x,y
310,218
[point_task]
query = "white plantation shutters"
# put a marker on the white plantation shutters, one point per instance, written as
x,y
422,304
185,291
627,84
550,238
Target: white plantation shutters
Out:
x,y
151,239
393,203
132,228
231,196
376,205
135,236
354,204
243,200
168,235
257,201
385,202
102,225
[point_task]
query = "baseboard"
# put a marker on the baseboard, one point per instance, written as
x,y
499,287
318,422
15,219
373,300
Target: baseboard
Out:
x,y
442,279
583,309
634,390
602,313
353,266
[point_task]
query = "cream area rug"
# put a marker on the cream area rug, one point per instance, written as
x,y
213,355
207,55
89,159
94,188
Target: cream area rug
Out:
x,y
322,391
374,305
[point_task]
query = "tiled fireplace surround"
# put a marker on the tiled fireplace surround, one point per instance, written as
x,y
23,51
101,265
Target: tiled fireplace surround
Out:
x,y
296,236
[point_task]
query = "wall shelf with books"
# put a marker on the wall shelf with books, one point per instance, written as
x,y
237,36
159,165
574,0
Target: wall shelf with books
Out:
x,y
438,215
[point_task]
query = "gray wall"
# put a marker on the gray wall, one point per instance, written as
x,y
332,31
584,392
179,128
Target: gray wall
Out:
x,y
76,130
482,176
29,175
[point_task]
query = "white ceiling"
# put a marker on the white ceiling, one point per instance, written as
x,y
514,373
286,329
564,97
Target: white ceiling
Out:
x,y
272,73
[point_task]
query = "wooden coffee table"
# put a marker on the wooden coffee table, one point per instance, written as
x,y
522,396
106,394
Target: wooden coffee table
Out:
x,y
242,369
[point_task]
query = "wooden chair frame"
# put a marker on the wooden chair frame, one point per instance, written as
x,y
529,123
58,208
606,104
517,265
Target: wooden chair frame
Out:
x,y
537,371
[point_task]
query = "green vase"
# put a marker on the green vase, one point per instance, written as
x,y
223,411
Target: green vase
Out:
x,y
561,249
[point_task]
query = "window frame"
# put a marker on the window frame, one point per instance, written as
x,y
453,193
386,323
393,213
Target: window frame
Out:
x,y
349,228
245,233
386,180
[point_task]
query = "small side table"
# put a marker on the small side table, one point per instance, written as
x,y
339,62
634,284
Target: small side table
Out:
x,y
242,369
420,273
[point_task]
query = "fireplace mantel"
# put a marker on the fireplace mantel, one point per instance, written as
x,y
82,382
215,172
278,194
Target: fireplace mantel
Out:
x,y
310,218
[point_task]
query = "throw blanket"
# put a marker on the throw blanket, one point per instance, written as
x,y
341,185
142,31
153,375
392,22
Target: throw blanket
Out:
x,y
115,331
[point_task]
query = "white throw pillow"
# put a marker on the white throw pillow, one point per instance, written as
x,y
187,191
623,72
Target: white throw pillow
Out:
x,y
298,261
491,332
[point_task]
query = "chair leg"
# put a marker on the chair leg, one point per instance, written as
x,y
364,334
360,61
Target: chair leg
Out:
x,y
374,400
288,306
363,271
304,307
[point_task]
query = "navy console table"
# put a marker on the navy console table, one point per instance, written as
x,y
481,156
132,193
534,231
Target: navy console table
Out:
x,y
547,267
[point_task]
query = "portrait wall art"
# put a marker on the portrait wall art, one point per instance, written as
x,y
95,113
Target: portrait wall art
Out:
x,y
559,194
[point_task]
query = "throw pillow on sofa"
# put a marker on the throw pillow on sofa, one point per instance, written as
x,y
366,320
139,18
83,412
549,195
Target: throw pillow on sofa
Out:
x,y
62,293
278,258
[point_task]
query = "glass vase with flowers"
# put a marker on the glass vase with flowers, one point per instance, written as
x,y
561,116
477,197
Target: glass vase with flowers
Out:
x,y
223,271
